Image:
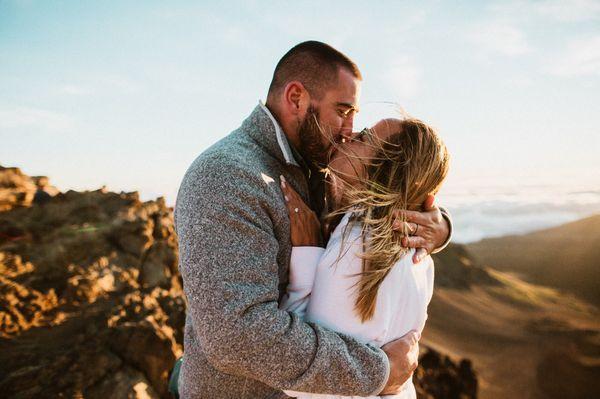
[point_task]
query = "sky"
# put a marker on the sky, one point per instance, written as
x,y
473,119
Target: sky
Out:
x,y
127,93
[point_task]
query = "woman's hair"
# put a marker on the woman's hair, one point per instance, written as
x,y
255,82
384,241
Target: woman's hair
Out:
x,y
409,165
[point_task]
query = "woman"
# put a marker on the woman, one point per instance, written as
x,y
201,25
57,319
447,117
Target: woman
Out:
x,y
364,283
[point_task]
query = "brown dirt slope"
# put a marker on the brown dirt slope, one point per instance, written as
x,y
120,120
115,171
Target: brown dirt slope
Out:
x,y
525,340
566,257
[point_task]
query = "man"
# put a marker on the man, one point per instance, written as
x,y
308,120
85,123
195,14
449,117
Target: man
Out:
x,y
234,243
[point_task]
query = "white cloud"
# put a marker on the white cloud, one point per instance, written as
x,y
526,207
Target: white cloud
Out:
x,y
499,37
569,11
518,81
555,10
122,84
34,118
582,57
405,77
74,90
101,85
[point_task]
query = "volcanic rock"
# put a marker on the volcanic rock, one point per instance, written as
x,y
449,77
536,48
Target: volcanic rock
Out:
x,y
16,188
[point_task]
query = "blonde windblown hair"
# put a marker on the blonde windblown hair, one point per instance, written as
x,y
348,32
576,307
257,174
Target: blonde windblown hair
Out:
x,y
411,164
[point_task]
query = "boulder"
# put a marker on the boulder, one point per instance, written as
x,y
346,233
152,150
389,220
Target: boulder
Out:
x,y
159,265
16,189
124,383
146,346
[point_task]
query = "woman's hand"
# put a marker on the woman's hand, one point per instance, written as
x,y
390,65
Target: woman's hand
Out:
x,y
304,223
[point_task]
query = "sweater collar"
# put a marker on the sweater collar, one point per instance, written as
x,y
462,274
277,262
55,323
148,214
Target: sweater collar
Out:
x,y
267,121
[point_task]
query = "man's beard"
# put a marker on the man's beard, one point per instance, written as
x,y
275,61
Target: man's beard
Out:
x,y
311,136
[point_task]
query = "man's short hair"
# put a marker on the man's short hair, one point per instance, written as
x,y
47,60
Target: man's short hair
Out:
x,y
315,65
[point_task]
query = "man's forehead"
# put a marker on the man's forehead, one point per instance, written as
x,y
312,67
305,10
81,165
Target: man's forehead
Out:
x,y
346,91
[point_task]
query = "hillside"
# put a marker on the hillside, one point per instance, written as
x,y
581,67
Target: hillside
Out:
x,y
525,340
566,257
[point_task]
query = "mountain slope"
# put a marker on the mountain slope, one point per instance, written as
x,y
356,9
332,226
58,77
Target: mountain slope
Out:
x,y
525,341
566,257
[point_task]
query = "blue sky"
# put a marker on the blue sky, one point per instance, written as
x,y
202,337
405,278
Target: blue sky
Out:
x,y
128,93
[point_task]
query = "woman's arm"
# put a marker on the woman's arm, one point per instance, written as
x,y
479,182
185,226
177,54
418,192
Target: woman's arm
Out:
x,y
303,266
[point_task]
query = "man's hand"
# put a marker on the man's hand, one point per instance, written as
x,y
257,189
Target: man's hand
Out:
x,y
429,229
403,355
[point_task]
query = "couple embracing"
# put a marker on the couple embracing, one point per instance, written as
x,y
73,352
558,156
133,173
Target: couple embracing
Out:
x,y
304,247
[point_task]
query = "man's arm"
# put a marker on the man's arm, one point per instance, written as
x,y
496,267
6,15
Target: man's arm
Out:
x,y
448,222
430,230
230,272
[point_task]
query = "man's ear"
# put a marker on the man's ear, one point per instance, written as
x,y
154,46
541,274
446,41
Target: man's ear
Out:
x,y
296,98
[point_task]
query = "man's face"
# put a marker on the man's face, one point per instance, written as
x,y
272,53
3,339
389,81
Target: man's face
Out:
x,y
351,160
330,119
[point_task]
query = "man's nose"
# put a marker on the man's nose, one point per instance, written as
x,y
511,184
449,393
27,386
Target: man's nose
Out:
x,y
350,136
346,135
346,132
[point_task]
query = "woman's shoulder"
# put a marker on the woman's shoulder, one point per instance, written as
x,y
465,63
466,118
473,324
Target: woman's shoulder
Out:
x,y
406,261
344,248
348,227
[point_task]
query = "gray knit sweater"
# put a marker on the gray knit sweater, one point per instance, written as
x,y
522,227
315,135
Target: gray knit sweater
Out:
x,y
234,244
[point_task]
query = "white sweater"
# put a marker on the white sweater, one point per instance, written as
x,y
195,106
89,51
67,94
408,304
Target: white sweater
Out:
x,y
321,289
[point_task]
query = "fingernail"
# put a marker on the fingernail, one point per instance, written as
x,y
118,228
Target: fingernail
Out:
x,y
282,179
286,197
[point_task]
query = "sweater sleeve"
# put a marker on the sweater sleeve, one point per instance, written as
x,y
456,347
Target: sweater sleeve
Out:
x,y
303,266
445,215
228,261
